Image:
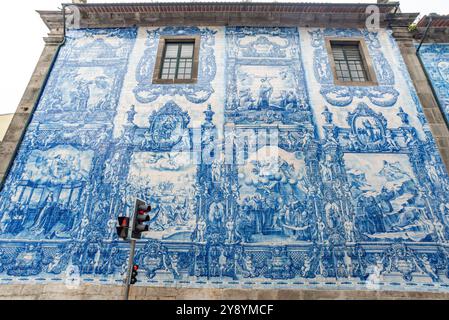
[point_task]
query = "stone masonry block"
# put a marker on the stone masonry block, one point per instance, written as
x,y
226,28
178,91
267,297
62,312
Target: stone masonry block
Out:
x,y
161,291
10,290
21,297
62,289
6,149
16,127
429,115
199,294
437,115
237,294
32,290
439,130
6,158
90,289
112,290
137,291
442,142
426,97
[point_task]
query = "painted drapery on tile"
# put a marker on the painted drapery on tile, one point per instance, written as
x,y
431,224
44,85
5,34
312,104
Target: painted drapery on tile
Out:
x,y
320,186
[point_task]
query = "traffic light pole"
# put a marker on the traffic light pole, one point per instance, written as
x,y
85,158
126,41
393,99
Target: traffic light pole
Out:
x,y
132,229
130,268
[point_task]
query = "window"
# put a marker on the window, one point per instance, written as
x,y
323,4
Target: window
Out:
x,y
177,60
350,63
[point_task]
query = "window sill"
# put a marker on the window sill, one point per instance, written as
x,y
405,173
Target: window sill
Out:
x,y
356,84
175,81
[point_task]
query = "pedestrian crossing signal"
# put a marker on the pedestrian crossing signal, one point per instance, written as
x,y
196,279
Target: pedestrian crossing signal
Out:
x,y
134,274
123,227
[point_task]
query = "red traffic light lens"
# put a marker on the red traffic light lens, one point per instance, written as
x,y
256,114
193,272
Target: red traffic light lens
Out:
x,y
144,209
136,267
123,222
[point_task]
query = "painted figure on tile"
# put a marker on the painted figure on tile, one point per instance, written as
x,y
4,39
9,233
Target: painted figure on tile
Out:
x,y
47,217
265,92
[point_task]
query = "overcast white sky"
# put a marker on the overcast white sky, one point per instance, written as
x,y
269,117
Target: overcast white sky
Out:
x,y
21,31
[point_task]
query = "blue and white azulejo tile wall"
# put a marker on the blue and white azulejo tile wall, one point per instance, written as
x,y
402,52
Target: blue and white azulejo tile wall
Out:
x,y
435,58
352,194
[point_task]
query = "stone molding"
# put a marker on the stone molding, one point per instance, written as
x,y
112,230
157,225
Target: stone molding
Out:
x,y
53,19
107,292
434,35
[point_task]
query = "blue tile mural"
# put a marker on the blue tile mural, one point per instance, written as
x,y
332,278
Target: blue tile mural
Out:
x,y
435,58
263,174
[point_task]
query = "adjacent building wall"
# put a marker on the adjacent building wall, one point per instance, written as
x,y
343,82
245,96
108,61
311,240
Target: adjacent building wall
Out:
x,y
435,57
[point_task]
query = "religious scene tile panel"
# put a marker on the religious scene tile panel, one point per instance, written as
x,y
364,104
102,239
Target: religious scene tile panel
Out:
x,y
263,174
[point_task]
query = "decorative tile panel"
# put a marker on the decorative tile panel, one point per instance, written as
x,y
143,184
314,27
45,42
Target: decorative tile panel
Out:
x,y
352,194
435,58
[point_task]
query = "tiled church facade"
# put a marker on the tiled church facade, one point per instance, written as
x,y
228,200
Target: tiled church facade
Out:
x,y
358,199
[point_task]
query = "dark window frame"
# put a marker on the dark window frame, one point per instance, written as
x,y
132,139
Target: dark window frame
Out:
x,y
161,55
371,79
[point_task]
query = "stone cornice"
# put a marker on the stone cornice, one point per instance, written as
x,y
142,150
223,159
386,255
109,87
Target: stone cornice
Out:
x,y
228,14
53,21
438,21
173,7
434,35
438,31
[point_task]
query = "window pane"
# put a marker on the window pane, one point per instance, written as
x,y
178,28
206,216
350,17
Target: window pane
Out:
x,y
168,69
187,50
348,62
177,62
171,50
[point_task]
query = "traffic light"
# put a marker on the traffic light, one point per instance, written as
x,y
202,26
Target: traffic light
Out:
x,y
123,227
134,274
140,217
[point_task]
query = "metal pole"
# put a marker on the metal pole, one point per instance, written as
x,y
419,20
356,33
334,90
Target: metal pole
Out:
x,y
425,33
130,268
